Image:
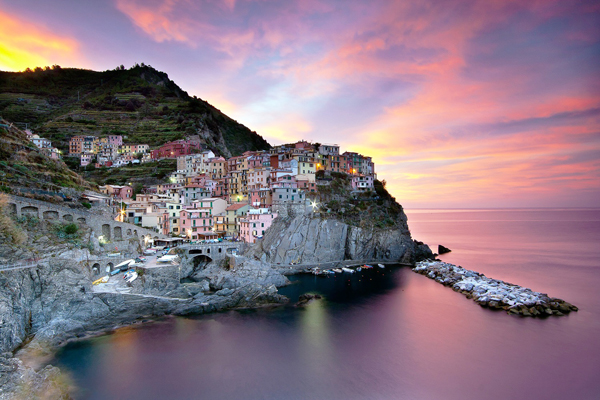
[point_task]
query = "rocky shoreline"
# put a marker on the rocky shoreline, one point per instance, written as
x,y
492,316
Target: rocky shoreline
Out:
x,y
493,293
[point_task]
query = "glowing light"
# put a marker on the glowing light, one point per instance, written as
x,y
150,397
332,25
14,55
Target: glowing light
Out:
x,y
314,205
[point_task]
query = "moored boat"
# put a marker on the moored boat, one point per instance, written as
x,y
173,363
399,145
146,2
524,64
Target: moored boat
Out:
x,y
124,264
104,279
381,265
336,270
133,277
348,270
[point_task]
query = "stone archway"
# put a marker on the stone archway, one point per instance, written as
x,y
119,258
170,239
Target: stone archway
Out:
x,y
200,262
96,269
12,208
109,267
106,231
118,233
128,233
68,217
30,211
81,220
50,215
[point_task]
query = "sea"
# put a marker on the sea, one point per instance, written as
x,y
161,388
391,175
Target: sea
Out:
x,y
382,333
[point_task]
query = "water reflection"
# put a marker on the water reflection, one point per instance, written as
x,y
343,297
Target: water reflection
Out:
x,y
383,334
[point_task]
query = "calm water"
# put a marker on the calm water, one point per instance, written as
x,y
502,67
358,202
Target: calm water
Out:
x,y
385,334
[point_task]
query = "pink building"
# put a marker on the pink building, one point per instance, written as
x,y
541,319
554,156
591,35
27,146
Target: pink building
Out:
x,y
193,222
362,182
175,149
259,178
306,185
255,224
117,192
115,140
283,181
260,197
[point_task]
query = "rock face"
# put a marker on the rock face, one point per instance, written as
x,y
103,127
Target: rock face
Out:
x,y
55,301
492,293
443,249
310,239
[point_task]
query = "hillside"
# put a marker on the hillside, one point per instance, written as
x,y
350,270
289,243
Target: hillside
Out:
x,y
140,103
376,209
23,165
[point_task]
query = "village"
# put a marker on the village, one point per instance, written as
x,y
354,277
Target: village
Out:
x,y
210,198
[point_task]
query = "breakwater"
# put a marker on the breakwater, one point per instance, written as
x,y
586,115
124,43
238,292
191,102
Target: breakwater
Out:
x,y
493,293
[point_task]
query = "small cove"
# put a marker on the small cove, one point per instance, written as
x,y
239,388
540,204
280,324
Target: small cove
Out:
x,y
381,334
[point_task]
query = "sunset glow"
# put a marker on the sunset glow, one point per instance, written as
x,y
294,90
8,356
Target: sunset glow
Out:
x,y
24,45
461,103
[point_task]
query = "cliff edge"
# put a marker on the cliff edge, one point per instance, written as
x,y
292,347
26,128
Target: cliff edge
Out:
x,y
306,237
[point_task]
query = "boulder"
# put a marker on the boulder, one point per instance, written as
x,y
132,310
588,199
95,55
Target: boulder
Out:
x,y
306,298
443,249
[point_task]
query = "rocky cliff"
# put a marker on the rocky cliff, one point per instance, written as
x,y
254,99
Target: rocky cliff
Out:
x,y
53,300
310,238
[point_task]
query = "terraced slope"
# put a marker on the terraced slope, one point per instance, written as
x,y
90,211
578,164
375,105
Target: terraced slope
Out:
x,y
140,103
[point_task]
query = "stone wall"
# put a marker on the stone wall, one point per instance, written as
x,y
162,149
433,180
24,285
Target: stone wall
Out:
x,y
110,229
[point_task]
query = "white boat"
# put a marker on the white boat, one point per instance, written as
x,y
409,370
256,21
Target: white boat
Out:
x,y
124,264
381,265
133,277
359,269
167,258
348,270
336,270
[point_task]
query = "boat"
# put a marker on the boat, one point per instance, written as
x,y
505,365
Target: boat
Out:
x,y
336,270
366,266
104,279
167,258
128,274
359,269
381,265
133,277
348,270
124,264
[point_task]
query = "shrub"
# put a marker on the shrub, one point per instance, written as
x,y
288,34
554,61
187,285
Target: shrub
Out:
x,y
71,229
86,204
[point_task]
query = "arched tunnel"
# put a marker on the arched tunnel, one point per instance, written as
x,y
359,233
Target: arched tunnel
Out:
x,y
200,262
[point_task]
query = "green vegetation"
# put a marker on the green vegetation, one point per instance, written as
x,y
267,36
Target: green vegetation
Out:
x,y
375,208
10,231
137,174
140,103
25,165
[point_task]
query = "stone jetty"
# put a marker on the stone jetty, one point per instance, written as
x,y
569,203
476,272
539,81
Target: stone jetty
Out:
x,y
493,293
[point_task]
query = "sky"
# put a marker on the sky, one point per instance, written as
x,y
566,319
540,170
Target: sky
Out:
x,y
460,103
